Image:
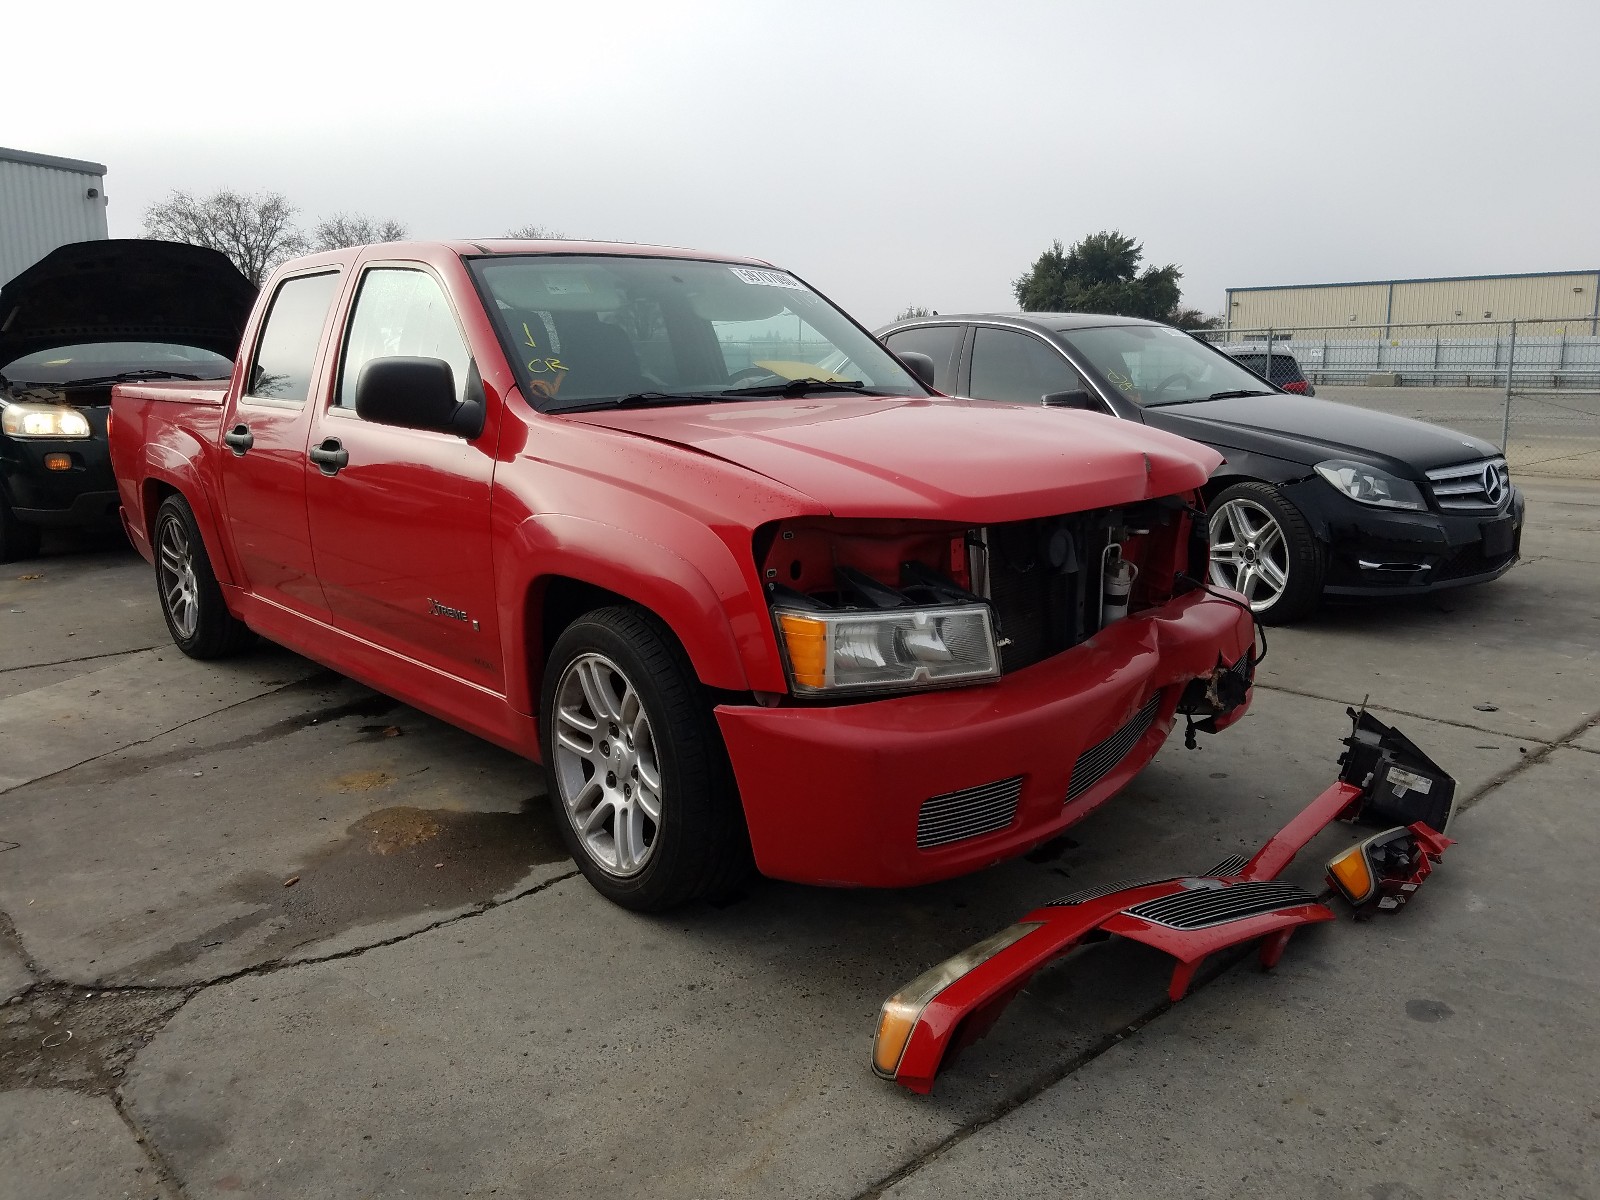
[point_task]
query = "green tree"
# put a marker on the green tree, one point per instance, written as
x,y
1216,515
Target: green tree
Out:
x,y
1100,274
1193,318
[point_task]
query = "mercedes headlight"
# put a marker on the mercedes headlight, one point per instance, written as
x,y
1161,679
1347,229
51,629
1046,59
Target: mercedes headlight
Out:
x,y
26,419
1369,485
829,653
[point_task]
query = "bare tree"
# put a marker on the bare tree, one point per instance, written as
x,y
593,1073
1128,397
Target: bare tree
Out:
x,y
914,310
355,229
256,231
534,233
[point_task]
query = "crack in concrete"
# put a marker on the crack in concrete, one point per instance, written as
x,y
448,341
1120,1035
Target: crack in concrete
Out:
x,y
1540,755
66,662
319,679
166,1174
1401,712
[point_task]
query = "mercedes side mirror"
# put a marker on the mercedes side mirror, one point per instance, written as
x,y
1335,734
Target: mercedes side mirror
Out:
x,y
419,393
919,365
1078,399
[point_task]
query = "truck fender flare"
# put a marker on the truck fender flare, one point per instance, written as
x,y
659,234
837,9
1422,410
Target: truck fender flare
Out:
x,y
642,571
168,466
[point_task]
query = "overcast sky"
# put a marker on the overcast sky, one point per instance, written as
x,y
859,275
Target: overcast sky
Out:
x,y
892,153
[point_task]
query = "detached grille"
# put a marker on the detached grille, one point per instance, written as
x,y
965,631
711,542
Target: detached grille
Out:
x,y
1204,907
1231,865
1485,483
1094,893
956,816
1100,759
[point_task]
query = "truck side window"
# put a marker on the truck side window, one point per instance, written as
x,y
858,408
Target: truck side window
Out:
x,y
403,312
1007,365
286,353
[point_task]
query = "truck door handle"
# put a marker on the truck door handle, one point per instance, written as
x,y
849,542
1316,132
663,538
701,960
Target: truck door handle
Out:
x,y
239,439
330,457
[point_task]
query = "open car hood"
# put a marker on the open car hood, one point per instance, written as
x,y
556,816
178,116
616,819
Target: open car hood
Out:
x,y
126,290
933,458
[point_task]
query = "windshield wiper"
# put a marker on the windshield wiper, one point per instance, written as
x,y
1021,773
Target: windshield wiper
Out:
x,y
129,377
640,400
799,387
1227,395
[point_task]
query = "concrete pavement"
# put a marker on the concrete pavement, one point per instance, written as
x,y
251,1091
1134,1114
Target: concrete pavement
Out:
x,y
436,1006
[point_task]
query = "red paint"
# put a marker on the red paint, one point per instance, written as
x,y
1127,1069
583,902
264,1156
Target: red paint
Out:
x,y
662,507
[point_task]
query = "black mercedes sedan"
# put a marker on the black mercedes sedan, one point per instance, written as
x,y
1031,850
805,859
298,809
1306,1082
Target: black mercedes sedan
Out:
x,y
1316,498
84,317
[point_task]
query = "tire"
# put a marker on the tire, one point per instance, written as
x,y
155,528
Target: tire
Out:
x,y
599,765
187,588
17,541
1262,547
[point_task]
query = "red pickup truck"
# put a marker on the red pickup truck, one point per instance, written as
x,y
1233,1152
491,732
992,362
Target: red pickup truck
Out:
x,y
676,527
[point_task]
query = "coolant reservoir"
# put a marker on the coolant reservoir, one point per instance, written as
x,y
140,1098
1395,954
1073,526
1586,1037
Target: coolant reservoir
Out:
x,y
1117,581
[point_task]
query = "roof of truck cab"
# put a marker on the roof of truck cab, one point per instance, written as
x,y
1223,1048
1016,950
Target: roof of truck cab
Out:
x,y
627,249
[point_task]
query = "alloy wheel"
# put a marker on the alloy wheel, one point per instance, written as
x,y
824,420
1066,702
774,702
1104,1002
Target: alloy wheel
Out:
x,y
180,590
1248,553
606,765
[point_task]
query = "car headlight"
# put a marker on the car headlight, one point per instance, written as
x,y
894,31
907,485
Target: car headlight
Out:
x,y
25,419
1369,485
891,650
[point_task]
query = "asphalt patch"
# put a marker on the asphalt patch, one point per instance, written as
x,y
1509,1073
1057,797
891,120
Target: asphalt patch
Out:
x,y
393,862
76,1038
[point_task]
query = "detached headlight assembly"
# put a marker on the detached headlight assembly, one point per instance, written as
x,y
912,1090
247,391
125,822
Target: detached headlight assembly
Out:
x,y
1369,485
833,653
25,419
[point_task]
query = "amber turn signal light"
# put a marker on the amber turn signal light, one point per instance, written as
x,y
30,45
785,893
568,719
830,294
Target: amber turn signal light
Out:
x,y
58,462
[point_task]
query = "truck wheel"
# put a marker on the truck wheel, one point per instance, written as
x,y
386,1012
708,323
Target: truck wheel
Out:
x,y
637,773
191,599
1262,547
17,541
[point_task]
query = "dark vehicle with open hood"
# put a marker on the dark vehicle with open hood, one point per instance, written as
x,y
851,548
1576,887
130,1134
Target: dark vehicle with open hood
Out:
x,y
84,317
1314,498
607,507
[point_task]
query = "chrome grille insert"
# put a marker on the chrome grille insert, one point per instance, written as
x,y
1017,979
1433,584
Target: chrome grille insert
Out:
x,y
956,816
1231,865
1094,893
1206,906
1100,759
1484,483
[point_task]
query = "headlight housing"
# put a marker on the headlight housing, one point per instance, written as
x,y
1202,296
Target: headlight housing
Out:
x,y
1368,485
897,649
27,419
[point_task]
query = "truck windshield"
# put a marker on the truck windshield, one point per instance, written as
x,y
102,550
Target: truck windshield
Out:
x,y
1156,365
583,330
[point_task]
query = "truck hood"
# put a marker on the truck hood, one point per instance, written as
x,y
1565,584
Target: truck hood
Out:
x,y
931,458
126,290
1305,430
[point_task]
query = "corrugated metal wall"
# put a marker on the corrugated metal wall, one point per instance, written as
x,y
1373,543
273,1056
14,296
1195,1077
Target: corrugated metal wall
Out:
x,y
42,207
1408,301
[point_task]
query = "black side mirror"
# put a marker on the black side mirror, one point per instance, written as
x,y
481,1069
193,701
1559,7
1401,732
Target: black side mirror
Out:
x,y
419,393
1078,399
919,365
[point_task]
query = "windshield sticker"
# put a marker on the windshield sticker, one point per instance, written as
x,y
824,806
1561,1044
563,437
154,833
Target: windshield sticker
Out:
x,y
571,285
1121,380
768,278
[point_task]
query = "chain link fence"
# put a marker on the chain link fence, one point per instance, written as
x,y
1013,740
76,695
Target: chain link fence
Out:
x,y
1530,386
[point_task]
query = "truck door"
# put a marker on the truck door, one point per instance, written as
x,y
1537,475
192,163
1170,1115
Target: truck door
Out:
x,y
400,517
263,456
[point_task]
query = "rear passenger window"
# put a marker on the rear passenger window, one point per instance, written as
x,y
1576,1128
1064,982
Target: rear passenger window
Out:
x,y
1007,365
286,354
401,312
938,342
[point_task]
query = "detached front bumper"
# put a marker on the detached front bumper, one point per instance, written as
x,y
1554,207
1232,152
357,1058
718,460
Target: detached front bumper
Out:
x,y
1384,552
913,789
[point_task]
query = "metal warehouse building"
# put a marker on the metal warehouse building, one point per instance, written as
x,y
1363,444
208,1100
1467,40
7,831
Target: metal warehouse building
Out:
x,y
1376,305
46,202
